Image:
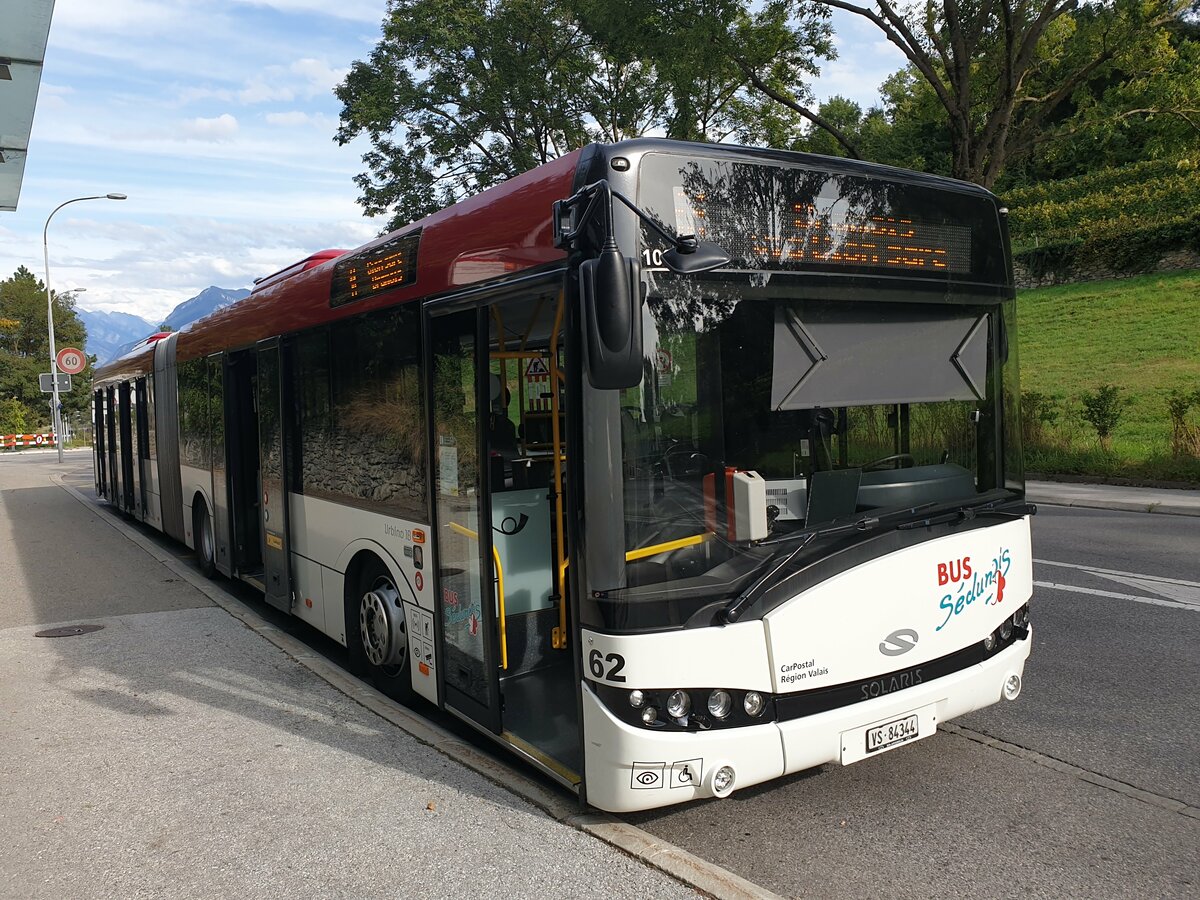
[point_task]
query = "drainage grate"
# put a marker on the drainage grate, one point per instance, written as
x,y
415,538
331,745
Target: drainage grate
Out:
x,y
68,631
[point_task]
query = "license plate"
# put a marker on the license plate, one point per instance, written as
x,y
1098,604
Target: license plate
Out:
x,y
892,733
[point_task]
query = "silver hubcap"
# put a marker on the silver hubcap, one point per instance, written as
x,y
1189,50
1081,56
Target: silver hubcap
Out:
x,y
381,624
206,538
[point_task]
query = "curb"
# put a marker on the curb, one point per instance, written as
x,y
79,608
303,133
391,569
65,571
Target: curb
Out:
x,y
1160,507
690,870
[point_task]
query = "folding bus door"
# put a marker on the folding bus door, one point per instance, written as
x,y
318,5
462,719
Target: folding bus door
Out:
x,y
125,425
272,465
499,468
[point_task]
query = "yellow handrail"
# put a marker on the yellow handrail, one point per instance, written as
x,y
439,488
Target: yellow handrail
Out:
x,y
474,535
655,549
558,637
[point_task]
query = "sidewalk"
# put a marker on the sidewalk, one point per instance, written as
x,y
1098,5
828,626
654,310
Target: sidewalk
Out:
x,y
179,753
1107,496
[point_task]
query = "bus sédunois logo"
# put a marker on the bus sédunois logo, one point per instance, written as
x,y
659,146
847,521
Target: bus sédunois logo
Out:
x,y
898,642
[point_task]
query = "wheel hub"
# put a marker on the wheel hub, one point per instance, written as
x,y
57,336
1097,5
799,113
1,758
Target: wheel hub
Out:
x,y
381,624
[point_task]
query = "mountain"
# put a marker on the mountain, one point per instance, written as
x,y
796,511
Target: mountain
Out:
x,y
112,333
207,301
109,333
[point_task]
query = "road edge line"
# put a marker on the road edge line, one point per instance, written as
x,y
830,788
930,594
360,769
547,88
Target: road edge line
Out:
x,y
1049,762
686,868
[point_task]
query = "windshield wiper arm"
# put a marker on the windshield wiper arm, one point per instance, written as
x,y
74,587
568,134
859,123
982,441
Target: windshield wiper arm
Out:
x,y
967,513
734,610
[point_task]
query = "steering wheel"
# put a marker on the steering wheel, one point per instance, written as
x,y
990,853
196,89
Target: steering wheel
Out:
x,y
906,458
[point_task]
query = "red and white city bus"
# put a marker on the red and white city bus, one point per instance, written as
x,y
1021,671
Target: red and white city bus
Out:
x,y
674,468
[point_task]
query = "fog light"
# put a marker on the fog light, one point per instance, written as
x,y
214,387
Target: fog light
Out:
x,y
649,715
754,704
637,699
1005,629
989,642
679,704
1012,687
719,703
723,781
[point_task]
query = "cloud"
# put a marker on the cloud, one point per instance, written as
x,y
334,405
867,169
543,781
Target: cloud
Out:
x,y
222,128
295,117
304,78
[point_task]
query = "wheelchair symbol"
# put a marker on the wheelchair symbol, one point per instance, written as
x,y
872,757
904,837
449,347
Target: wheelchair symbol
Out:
x,y
686,773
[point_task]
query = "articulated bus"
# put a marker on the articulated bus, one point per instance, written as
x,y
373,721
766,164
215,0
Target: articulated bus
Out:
x,y
673,468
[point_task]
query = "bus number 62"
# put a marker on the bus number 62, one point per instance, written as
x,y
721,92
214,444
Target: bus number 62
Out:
x,y
596,664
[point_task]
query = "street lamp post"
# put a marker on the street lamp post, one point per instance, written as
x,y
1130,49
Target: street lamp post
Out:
x,y
56,414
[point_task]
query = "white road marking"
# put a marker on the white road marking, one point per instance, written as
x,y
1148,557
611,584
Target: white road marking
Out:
x,y
1139,575
1178,592
1155,601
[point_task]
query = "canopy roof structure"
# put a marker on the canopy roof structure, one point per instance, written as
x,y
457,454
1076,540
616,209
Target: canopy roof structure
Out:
x,y
24,30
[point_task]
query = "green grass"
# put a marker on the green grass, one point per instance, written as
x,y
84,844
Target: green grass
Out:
x,y
1141,334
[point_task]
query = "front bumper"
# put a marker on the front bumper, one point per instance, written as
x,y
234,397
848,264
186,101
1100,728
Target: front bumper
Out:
x,y
630,768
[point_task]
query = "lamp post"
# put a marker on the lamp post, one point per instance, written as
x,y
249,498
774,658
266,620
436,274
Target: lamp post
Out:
x,y
56,414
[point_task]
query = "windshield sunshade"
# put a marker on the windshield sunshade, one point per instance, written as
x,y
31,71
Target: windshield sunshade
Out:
x,y
843,356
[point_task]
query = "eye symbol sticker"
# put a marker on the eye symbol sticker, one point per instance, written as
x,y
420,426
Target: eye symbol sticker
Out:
x,y
647,776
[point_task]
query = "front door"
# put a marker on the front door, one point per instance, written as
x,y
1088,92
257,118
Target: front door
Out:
x,y
499,470
463,540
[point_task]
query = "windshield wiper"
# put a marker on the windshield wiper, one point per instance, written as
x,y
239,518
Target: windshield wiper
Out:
x,y
738,605
967,513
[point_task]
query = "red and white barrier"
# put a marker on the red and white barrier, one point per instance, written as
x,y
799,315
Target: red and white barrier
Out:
x,y
13,441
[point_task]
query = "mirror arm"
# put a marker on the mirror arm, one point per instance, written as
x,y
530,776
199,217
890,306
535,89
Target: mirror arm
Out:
x,y
568,239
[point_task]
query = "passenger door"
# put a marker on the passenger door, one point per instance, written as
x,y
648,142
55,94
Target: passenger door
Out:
x,y
272,465
463,540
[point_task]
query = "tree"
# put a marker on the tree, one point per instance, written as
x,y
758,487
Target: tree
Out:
x,y
25,346
727,67
460,95
1001,71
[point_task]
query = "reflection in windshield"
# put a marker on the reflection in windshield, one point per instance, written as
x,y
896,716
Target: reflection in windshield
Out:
x,y
888,408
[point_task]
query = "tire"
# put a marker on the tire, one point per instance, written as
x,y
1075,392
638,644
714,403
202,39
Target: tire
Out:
x,y
375,628
206,545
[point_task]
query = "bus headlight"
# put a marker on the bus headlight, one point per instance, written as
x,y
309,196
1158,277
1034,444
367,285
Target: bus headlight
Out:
x,y
989,642
719,703
679,704
649,715
637,699
1006,629
754,704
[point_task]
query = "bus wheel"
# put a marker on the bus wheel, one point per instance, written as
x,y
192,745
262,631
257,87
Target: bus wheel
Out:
x,y
376,631
206,546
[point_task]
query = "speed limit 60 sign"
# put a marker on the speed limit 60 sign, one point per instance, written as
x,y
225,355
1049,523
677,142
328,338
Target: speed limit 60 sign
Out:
x,y
71,361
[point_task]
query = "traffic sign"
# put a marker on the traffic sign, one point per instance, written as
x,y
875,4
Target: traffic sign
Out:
x,y
71,361
46,380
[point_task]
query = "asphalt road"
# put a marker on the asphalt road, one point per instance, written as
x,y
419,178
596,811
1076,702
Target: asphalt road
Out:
x,y
1087,786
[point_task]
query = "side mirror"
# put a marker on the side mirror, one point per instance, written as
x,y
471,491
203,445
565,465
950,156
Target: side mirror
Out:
x,y
703,256
610,290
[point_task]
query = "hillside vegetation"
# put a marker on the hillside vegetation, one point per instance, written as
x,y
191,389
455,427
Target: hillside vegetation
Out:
x,y
1141,335
1124,219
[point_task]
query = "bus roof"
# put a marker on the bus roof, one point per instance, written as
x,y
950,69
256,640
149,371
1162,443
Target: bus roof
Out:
x,y
505,229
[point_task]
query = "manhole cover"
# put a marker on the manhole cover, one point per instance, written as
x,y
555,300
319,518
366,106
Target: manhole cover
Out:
x,y
68,631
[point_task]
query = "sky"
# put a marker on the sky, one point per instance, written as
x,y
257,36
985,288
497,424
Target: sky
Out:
x,y
216,118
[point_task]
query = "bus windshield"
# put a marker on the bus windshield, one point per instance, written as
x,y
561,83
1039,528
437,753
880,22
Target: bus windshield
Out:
x,y
845,409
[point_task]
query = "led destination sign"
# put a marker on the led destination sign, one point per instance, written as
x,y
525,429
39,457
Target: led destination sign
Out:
x,y
795,216
385,266
828,230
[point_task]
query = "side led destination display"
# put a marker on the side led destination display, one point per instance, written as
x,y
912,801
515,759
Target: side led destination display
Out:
x,y
385,266
778,216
